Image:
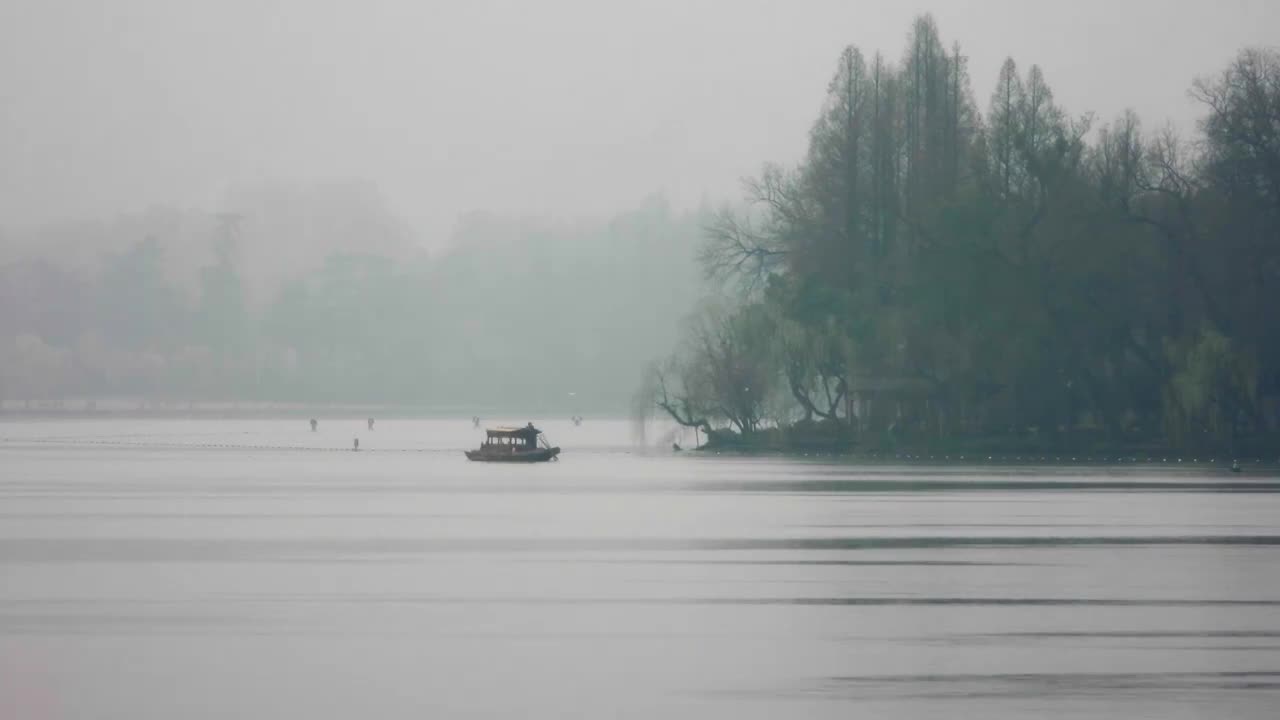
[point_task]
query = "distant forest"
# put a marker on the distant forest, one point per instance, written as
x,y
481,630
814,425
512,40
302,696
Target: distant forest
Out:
x,y
314,294
938,271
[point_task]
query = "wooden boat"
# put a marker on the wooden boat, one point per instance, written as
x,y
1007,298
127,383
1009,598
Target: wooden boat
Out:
x,y
514,444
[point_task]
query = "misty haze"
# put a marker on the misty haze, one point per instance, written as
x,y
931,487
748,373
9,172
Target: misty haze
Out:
x,y
670,359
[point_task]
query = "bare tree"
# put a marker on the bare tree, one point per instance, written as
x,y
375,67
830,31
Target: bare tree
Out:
x,y
1242,130
749,244
665,387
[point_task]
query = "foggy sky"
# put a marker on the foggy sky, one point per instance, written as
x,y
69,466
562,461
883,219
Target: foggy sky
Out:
x,y
556,107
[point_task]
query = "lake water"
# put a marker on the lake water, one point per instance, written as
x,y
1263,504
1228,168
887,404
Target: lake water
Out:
x,y
157,569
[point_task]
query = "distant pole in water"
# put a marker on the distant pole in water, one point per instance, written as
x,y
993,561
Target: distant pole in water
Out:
x,y
313,424
355,445
370,423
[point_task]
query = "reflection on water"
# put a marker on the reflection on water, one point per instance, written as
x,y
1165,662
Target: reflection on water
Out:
x,y
210,569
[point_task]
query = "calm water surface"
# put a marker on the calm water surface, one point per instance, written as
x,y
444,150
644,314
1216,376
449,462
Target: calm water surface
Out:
x,y
251,568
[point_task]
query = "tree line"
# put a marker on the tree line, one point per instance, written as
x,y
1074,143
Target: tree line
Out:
x,y
935,272
516,314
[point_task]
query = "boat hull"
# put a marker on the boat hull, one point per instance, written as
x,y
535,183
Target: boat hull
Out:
x,y
518,456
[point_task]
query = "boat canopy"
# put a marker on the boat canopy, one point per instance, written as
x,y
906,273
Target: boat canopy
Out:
x,y
527,431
